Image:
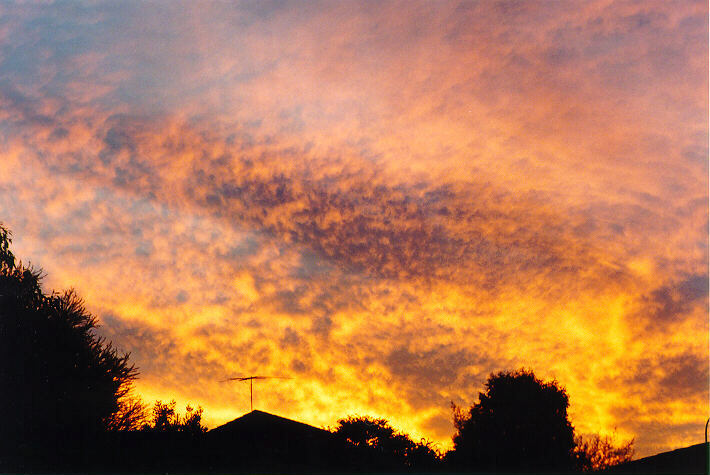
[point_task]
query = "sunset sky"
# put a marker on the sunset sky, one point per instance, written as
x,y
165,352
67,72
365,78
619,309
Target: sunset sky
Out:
x,y
385,202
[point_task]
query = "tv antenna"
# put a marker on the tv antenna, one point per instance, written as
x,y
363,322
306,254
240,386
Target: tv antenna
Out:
x,y
251,385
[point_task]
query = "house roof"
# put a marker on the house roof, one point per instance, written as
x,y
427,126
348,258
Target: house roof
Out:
x,y
259,422
273,443
688,460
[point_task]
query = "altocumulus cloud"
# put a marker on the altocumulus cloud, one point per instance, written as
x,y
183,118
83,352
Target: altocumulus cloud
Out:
x,y
387,201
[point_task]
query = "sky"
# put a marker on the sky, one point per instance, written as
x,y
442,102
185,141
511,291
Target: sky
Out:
x,y
384,201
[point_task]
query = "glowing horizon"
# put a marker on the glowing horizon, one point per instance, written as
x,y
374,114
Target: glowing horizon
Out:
x,y
385,201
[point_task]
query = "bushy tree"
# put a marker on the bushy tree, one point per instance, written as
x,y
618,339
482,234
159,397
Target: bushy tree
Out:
x,y
519,423
595,452
392,447
132,414
60,383
166,419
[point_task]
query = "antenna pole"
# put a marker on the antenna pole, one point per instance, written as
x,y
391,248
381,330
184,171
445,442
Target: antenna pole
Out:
x,y
251,383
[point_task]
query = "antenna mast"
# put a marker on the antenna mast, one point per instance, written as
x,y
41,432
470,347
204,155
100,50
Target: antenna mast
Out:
x,y
251,385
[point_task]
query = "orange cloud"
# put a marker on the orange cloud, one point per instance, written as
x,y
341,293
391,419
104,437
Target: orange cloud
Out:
x,y
386,203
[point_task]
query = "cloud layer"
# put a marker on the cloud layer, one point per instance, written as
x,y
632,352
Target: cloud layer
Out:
x,y
385,202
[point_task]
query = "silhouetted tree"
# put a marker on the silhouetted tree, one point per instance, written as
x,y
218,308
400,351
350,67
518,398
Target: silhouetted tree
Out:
x,y
596,453
60,383
7,259
132,414
392,448
166,419
520,423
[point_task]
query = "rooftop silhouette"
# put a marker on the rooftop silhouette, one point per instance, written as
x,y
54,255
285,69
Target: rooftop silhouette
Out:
x,y
270,443
273,443
686,460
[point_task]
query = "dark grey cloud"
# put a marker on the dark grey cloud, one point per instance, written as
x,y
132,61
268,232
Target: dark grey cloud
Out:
x,y
322,326
673,302
437,367
298,366
163,355
144,249
402,231
151,348
26,110
182,297
290,338
666,378
686,377
653,435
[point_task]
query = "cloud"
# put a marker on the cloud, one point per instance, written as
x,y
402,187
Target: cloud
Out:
x,y
374,197
668,303
678,377
435,367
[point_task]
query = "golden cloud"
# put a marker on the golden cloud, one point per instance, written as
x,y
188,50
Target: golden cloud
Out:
x,y
385,203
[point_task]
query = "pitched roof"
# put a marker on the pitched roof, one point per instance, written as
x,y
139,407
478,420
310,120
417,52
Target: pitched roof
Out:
x,y
273,443
693,459
259,422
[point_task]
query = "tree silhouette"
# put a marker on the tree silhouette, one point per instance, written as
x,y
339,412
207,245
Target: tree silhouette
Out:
x,y
520,423
390,448
61,385
132,414
167,419
596,453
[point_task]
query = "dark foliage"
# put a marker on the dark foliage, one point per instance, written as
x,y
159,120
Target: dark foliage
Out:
x,y
596,453
166,419
520,423
61,385
387,447
132,414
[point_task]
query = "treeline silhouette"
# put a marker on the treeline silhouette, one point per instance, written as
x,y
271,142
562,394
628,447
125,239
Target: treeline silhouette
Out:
x,y
69,405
